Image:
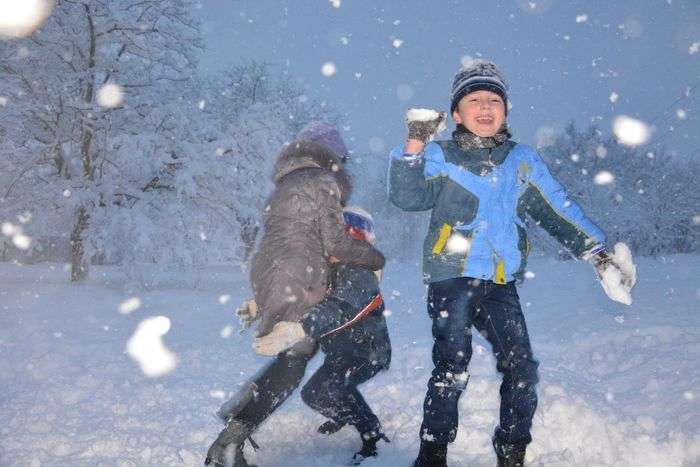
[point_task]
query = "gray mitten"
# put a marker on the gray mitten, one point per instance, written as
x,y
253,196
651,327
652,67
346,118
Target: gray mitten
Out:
x,y
247,313
424,124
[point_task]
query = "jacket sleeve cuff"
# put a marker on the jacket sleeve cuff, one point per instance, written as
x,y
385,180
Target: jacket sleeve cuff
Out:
x,y
594,250
398,154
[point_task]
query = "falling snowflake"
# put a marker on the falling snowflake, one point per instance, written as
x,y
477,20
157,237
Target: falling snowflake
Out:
x,y
458,244
328,69
630,131
217,394
19,18
146,347
397,43
681,114
129,305
21,241
613,97
694,48
110,96
603,178
335,3
581,18
224,299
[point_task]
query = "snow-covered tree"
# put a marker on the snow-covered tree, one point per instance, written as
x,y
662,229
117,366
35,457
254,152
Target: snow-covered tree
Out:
x,y
89,76
636,195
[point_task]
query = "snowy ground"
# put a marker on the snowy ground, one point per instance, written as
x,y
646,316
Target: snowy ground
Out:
x,y
619,384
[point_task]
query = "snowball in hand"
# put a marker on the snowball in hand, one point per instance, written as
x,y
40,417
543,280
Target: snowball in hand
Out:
x,y
147,348
425,115
611,277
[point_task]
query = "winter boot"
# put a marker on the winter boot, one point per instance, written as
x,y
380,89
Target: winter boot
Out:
x,y
513,459
330,427
369,446
234,434
431,454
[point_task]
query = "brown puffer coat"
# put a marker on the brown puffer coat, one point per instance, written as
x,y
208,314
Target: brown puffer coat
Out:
x,y
303,228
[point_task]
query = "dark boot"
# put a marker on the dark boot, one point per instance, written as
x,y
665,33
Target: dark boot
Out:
x,y
431,455
369,446
330,427
234,434
513,459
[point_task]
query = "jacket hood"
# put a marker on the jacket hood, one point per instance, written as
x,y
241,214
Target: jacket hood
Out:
x,y
302,154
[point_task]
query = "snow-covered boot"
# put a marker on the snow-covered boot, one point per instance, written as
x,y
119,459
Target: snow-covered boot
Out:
x,y
234,434
330,427
369,446
513,459
431,454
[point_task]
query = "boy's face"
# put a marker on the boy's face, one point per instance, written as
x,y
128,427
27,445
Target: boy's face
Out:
x,y
482,112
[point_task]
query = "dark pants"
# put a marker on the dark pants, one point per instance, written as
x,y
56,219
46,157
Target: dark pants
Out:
x,y
273,385
332,391
455,305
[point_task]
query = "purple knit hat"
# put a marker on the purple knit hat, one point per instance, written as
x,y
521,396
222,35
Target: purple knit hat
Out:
x,y
327,135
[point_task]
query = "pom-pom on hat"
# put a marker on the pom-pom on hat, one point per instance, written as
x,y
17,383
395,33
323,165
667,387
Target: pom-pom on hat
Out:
x,y
327,135
478,75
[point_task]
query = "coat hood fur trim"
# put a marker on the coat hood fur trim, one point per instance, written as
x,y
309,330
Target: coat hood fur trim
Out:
x,y
300,154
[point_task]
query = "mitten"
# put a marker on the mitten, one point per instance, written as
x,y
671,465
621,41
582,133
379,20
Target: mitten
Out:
x,y
424,124
247,313
284,335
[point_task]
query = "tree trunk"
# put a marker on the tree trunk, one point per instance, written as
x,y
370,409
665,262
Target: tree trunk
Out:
x,y
79,263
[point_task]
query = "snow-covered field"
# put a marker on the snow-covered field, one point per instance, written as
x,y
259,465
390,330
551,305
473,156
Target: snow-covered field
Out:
x,y
618,384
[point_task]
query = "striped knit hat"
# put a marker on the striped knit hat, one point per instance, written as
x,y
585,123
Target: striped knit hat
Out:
x,y
478,75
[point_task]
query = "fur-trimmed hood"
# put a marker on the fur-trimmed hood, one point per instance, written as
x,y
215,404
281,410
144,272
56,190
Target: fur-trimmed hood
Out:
x,y
302,154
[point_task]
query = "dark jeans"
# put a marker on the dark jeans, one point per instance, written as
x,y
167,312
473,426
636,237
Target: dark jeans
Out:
x,y
332,391
455,305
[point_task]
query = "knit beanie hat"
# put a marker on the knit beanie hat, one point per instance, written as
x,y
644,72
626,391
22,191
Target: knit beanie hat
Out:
x,y
359,223
478,75
325,134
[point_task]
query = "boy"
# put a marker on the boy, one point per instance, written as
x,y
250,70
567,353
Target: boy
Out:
x,y
479,186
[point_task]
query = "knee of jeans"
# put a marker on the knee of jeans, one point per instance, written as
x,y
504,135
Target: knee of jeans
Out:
x,y
452,380
523,370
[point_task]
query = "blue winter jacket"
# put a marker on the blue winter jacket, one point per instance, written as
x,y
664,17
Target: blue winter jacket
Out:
x,y
478,201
